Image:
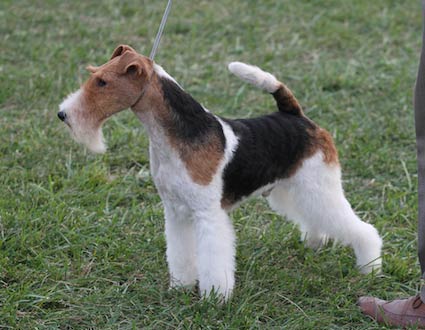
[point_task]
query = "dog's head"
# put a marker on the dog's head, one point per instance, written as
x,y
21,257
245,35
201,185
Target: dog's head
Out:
x,y
116,85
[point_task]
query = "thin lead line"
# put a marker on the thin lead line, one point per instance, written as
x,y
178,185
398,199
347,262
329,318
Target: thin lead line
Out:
x,y
160,30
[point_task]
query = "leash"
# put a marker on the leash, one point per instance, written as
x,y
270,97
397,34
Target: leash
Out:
x,y
156,43
160,30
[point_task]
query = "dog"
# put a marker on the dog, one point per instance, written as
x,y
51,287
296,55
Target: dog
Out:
x,y
204,166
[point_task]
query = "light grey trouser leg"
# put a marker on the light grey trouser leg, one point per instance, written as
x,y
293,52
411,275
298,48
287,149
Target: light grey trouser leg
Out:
x,y
419,104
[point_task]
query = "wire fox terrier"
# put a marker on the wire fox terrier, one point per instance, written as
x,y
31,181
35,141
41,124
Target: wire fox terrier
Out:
x,y
204,165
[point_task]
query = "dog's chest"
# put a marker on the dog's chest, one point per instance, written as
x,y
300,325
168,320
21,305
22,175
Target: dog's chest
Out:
x,y
169,174
175,185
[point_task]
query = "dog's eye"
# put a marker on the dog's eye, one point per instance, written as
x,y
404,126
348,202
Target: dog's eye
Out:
x,y
101,82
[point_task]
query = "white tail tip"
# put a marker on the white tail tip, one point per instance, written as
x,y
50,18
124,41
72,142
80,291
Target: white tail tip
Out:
x,y
255,76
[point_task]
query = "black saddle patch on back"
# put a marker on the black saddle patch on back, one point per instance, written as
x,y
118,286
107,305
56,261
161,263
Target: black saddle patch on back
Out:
x,y
270,148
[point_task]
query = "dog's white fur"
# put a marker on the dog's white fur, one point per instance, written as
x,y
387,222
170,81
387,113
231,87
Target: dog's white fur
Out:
x,y
255,76
200,236
314,199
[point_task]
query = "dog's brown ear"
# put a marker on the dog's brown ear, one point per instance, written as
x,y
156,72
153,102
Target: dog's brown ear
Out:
x,y
133,64
121,49
135,67
92,68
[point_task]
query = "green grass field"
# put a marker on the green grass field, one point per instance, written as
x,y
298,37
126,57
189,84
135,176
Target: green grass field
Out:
x,y
81,236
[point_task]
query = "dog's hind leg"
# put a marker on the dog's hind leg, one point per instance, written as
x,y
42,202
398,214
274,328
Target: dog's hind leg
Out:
x,y
181,246
318,205
282,201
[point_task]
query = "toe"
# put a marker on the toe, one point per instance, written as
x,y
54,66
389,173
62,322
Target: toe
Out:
x,y
369,305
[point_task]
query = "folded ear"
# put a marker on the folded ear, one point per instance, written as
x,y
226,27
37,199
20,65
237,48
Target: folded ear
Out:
x,y
135,67
121,49
134,64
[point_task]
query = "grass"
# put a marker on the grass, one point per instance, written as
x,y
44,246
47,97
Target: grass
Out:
x,y
81,236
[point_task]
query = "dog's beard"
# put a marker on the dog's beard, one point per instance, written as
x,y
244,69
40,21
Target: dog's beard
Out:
x,y
91,139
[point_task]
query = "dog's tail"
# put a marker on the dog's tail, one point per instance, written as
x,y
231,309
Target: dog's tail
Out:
x,y
286,101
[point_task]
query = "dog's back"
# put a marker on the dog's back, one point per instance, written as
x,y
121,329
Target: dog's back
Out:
x,y
273,145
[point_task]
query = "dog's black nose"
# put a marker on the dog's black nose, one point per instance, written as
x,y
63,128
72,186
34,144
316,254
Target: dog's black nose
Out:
x,y
61,115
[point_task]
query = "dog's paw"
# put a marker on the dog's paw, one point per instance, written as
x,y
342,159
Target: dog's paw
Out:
x,y
314,242
374,266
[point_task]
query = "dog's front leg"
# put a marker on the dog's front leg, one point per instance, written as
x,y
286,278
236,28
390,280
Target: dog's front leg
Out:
x,y
180,236
215,240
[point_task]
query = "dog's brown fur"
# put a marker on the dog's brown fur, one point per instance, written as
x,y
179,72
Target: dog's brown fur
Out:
x,y
202,162
124,77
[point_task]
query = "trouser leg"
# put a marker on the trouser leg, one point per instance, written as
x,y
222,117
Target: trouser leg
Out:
x,y
419,105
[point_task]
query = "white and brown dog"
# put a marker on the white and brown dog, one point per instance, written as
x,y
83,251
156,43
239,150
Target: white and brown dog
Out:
x,y
204,165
